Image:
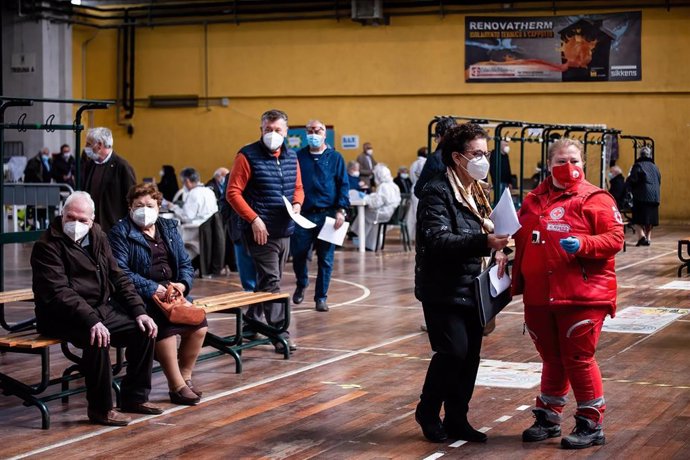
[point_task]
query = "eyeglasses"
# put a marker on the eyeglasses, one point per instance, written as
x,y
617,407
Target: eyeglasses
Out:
x,y
315,130
479,153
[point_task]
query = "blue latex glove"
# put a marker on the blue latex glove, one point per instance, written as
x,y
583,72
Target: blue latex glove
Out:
x,y
570,244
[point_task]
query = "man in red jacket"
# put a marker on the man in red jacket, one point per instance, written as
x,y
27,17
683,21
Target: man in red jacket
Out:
x,y
565,268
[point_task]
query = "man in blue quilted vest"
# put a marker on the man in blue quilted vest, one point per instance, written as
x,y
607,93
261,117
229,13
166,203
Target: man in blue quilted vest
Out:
x,y
263,173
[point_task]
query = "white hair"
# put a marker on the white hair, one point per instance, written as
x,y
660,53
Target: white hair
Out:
x,y
80,196
102,135
221,171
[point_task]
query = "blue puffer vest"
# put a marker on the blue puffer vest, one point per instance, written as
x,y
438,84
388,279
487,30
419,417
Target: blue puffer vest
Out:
x,y
271,180
133,255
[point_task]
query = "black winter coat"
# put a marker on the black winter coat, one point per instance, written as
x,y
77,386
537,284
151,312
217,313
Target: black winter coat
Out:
x,y
112,199
450,245
645,181
69,283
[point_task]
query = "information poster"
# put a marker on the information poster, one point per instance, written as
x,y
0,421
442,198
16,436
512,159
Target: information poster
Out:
x,y
584,48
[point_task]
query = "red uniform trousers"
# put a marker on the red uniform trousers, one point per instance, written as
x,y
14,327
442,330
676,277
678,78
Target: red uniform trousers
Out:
x,y
566,338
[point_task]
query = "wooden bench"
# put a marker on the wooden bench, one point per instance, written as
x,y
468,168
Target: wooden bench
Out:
x,y
24,341
233,303
684,243
33,343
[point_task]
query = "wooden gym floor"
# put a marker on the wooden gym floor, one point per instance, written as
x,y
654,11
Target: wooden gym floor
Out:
x,y
351,388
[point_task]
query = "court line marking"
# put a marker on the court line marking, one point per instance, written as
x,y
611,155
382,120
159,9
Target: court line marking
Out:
x,y
223,394
640,262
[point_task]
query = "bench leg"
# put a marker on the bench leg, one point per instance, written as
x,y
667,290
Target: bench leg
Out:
x,y
11,386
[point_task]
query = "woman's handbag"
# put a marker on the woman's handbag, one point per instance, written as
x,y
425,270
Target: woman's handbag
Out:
x,y
179,310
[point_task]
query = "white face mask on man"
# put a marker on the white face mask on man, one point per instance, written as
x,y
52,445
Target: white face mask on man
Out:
x,y
273,140
75,230
144,217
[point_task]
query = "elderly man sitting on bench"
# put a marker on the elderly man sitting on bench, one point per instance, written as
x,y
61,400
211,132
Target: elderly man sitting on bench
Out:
x,y
83,297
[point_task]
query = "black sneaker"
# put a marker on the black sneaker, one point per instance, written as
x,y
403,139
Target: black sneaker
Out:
x,y
587,433
541,429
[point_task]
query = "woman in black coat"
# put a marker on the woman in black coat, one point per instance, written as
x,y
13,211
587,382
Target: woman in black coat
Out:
x,y
454,243
645,182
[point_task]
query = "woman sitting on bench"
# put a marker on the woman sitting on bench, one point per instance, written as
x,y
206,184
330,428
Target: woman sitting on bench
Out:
x,y
151,251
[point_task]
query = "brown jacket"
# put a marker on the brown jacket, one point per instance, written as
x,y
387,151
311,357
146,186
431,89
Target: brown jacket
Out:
x,y
74,287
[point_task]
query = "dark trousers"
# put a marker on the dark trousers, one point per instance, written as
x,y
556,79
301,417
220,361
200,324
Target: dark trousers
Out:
x,y
300,245
269,260
455,334
96,366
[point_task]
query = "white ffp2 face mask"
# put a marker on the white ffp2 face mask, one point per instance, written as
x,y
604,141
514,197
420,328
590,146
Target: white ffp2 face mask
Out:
x,y
478,168
75,230
273,140
144,217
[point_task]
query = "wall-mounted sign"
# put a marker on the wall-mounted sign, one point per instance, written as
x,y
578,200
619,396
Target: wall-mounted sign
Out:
x,y
23,63
590,47
350,141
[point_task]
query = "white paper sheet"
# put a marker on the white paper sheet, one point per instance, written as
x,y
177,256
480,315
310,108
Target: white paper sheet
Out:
x,y
298,218
330,234
498,285
504,215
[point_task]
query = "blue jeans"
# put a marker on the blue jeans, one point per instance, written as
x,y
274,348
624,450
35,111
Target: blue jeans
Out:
x,y
245,265
300,245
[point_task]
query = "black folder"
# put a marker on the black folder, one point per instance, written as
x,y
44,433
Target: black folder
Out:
x,y
488,305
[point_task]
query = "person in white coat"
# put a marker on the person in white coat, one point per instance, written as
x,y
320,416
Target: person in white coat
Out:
x,y
415,172
380,205
199,204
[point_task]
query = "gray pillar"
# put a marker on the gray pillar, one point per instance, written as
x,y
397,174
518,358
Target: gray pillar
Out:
x,y
37,63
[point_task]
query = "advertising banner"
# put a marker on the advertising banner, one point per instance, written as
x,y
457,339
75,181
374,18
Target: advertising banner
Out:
x,y
595,47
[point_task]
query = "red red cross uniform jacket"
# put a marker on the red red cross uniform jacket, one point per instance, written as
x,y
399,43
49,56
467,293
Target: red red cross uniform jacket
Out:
x,y
556,278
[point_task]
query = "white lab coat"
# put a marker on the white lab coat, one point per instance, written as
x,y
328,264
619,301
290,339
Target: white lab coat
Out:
x,y
380,205
411,218
199,205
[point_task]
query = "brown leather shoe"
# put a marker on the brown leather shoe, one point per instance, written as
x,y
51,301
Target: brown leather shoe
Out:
x,y
191,387
184,396
110,418
141,408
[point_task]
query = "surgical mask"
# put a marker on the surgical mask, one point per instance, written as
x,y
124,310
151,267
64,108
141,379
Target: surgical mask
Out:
x,y
506,149
66,155
478,168
161,173
354,173
610,176
369,152
315,140
144,217
75,230
273,140
567,174
404,175
90,153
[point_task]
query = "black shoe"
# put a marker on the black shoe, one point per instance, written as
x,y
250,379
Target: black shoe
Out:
x,y
587,433
280,348
646,242
298,296
248,333
432,429
642,242
321,305
541,429
463,430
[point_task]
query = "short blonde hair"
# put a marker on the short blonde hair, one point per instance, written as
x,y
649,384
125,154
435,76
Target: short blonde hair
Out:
x,y
564,143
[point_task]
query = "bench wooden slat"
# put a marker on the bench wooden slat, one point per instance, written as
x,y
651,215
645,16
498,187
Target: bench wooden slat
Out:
x,y
215,303
17,295
28,340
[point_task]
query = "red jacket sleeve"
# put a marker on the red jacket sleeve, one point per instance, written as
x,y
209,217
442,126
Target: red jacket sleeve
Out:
x,y
607,224
239,177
